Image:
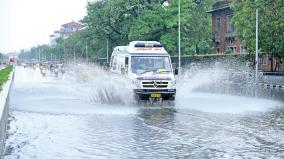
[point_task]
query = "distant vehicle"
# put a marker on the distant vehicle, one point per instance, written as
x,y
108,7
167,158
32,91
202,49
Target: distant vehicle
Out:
x,y
148,65
56,71
24,65
43,71
12,59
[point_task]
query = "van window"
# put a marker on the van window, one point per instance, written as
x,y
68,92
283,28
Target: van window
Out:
x,y
155,64
126,61
114,63
124,69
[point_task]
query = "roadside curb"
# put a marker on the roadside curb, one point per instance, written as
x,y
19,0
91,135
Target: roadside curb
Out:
x,y
4,109
276,86
271,85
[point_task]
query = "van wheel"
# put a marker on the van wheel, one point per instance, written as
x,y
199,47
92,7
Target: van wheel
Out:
x,y
151,102
171,103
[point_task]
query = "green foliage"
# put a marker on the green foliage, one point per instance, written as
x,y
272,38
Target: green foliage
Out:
x,y
4,74
122,21
271,24
161,23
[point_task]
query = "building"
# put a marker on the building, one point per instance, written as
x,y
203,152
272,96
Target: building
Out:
x,y
223,31
225,39
69,28
65,31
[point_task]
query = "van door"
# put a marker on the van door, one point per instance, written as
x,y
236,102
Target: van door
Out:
x,y
126,65
114,64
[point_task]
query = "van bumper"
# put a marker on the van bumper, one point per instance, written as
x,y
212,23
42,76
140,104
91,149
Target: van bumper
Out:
x,y
145,94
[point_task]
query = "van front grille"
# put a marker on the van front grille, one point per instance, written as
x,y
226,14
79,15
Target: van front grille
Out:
x,y
155,84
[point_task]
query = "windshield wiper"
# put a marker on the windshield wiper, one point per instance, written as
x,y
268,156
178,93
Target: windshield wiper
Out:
x,y
162,71
156,71
146,71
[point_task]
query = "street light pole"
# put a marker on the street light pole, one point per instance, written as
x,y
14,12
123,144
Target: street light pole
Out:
x,y
86,51
36,54
39,58
64,49
74,54
256,47
107,50
179,63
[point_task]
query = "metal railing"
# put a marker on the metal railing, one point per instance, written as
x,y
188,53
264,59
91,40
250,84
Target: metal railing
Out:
x,y
230,35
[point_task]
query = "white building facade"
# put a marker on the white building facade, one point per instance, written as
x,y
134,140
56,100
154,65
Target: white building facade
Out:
x,y
65,31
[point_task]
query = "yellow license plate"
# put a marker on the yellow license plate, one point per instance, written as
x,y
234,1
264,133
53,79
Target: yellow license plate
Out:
x,y
155,95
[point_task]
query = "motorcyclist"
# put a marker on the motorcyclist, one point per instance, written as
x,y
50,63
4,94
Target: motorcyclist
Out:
x,y
62,70
56,70
43,71
51,67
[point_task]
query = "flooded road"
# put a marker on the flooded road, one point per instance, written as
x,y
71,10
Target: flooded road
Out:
x,y
57,117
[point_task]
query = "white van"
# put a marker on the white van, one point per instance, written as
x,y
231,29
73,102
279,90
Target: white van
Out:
x,y
148,65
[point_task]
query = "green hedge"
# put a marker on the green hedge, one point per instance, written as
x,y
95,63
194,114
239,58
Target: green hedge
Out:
x,y
4,74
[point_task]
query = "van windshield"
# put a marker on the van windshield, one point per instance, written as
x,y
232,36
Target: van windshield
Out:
x,y
155,64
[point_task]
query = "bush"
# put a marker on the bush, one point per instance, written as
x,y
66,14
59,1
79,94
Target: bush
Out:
x,y
4,74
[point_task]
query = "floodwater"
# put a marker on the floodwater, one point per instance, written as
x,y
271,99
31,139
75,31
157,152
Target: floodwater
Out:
x,y
59,117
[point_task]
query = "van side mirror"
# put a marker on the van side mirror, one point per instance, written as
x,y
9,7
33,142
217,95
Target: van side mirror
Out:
x,y
175,69
174,65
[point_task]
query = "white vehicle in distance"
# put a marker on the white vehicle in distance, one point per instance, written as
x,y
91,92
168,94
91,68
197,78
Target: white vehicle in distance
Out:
x,y
148,65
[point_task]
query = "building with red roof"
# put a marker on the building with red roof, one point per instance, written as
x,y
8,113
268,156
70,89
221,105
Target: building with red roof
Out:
x,y
65,31
72,24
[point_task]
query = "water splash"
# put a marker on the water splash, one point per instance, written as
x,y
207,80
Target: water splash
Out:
x,y
104,87
223,88
217,77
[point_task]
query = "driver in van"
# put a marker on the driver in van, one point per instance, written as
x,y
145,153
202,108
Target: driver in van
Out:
x,y
135,65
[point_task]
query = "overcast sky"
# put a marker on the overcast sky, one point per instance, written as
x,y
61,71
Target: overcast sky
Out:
x,y
26,23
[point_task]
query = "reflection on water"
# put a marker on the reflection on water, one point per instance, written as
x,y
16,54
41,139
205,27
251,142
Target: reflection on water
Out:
x,y
151,133
55,120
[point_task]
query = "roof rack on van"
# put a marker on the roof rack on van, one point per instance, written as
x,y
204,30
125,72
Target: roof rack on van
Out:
x,y
141,47
145,44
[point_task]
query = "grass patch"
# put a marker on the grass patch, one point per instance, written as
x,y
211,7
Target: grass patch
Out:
x,y
4,75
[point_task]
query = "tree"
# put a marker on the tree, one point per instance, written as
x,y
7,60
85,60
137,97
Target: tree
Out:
x,y
271,26
160,23
122,21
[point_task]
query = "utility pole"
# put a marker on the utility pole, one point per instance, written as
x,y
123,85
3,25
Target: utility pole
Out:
x,y
38,52
87,51
63,49
107,50
256,47
74,54
179,62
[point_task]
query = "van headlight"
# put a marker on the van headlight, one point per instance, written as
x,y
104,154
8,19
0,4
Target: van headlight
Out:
x,y
173,84
136,83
